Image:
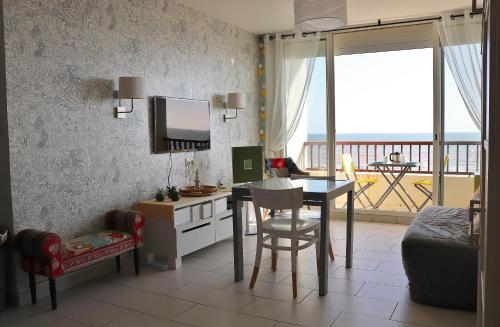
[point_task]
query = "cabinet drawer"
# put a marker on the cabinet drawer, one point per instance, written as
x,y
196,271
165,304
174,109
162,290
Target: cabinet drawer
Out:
x,y
196,212
182,216
220,205
224,228
206,210
195,238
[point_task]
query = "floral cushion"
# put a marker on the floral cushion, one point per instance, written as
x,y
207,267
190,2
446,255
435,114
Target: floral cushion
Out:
x,y
88,249
91,242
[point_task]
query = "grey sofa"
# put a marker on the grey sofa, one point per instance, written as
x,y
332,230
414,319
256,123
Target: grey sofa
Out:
x,y
439,262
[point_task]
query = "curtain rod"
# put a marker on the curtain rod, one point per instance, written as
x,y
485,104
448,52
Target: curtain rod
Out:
x,y
379,23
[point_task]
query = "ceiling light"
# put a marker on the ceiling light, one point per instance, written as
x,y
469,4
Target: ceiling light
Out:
x,y
320,15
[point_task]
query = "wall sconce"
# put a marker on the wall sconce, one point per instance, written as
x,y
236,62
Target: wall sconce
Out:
x,y
235,101
129,88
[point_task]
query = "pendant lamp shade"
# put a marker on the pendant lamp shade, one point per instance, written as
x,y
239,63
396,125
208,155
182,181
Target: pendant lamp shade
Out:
x,y
320,15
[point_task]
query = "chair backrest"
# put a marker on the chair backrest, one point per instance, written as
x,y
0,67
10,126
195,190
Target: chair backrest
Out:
x,y
348,166
289,199
446,160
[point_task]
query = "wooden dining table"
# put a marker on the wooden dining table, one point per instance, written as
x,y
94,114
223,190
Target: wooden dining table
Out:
x,y
316,193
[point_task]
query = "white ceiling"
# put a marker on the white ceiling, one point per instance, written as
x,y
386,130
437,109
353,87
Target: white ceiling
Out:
x,y
263,16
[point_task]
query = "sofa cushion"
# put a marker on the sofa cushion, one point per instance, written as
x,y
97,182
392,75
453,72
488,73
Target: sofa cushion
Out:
x,y
91,248
438,259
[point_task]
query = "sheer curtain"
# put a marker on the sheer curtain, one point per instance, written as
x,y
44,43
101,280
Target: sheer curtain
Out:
x,y
289,65
461,41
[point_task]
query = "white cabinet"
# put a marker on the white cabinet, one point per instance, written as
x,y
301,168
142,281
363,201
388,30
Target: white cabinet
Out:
x,y
174,229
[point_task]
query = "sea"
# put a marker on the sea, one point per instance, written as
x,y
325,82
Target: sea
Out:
x,y
464,159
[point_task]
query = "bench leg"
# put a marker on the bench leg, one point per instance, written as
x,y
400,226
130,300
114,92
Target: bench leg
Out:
x,y
118,264
136,261
32,287
53,295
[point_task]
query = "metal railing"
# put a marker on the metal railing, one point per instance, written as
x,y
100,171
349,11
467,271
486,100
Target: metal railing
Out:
x,y
463,156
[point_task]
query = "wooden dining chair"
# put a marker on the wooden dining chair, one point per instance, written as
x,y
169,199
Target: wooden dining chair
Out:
x,y
294,228
311,214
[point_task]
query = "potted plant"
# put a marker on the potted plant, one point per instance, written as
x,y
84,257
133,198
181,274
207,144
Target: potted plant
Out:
x,y
173,193
160,195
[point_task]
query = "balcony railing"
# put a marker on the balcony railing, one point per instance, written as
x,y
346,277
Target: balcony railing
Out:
x,y
463,156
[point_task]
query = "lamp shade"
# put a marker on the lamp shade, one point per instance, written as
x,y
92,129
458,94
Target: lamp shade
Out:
x,y
320,15
131,88
236,101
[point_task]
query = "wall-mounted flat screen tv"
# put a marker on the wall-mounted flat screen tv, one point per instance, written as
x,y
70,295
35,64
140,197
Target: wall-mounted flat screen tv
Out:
x,y
180,124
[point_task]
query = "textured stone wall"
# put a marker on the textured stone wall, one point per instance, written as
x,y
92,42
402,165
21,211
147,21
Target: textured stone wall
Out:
x,y
71,160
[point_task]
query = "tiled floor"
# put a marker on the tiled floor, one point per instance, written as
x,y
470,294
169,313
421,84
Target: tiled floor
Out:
x,y
374,293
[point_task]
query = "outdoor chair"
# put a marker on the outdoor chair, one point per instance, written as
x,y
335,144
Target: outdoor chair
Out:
x,y
363,184
425,186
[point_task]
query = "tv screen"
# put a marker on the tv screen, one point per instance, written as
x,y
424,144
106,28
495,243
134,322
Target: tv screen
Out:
x,y
181,124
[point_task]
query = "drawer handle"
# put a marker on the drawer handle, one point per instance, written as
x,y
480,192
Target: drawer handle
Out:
x,y
193,228
181,208
224,218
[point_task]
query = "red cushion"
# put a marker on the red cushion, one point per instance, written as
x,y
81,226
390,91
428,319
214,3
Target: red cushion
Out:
x,y
278,163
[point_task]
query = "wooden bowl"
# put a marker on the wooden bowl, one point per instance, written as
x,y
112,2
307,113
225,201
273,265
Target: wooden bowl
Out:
x,y
205,190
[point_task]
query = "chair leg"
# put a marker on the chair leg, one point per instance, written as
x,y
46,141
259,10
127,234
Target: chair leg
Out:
x,y
274,254
294,266
118,264
32,287
53,295
136,261
330,251
258,257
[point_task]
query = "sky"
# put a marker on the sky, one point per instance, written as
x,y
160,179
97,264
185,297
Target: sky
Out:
x,y
385,92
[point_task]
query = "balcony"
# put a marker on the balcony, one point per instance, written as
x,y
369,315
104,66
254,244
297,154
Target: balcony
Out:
x,y
463,163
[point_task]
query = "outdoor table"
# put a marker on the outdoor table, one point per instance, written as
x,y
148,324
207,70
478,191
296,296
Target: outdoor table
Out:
x,y
316,193
394,177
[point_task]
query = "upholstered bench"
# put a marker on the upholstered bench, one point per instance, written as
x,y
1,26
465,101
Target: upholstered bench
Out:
x,y
439,261
43,253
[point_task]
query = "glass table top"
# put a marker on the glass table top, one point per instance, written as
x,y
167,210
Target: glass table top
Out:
x,y
308,185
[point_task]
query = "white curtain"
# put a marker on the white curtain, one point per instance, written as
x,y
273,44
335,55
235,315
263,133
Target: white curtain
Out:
x,y
461,41
289,65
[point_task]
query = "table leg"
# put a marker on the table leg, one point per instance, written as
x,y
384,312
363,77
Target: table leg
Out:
x,y
323,241
392,187
386,193
237,239
403,173
349,229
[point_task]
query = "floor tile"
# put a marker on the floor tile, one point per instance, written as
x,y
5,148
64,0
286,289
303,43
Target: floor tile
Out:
x,y
432,316
99,290
205,278
358,263
351,304
88,311
137,319
212,297
291,313
385,292
377,277
334,284
150,303
265,274
203,316
269,290
350,320
202,263
151,283
28,318
391,267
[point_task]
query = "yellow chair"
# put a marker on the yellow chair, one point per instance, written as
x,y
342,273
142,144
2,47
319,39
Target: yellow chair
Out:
x,y
362,183
425,186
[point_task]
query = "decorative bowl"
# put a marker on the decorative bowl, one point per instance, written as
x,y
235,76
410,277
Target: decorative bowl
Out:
x,y
204,190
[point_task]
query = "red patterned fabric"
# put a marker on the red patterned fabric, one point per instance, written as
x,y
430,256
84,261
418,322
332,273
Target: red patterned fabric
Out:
x,y
42,252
